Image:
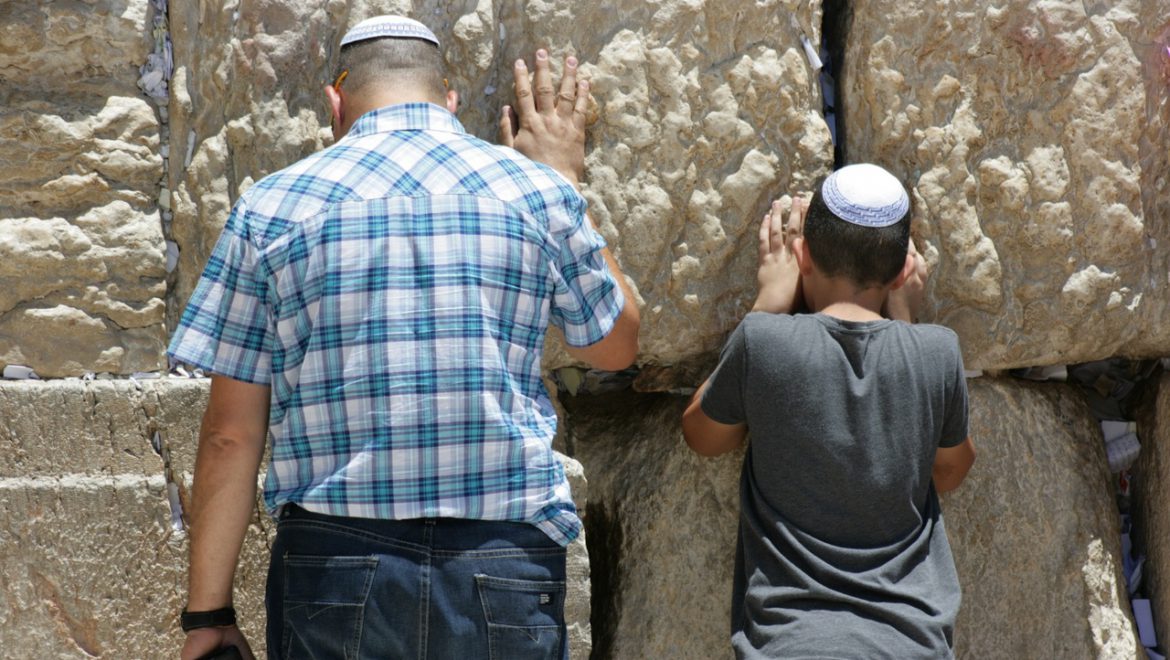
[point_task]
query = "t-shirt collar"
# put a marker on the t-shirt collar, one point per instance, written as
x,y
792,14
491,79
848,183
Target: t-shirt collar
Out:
x,y
406,117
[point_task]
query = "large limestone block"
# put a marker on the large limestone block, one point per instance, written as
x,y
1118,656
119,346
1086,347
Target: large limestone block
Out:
x,y
662,524
1152,513
81,246
1034,530
705,110
86,528
1034,139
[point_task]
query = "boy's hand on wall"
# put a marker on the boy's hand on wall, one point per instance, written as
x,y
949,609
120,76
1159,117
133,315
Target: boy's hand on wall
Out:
x,y
905,302
779,272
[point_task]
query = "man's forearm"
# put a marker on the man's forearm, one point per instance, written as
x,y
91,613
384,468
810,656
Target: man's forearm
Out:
x,y
231,445
224,501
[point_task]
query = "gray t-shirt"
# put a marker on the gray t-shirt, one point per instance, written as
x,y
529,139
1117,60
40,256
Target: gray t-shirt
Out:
x,y
842,550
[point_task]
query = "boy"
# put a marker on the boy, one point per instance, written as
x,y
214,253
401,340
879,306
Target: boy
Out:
x,y
857,421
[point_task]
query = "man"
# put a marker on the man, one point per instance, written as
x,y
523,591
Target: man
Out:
x,y
380,308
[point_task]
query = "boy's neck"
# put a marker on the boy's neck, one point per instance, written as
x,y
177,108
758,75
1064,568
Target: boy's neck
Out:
x,y
843,299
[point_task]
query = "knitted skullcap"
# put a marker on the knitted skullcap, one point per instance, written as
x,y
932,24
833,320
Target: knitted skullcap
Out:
x,y
865,195
395,27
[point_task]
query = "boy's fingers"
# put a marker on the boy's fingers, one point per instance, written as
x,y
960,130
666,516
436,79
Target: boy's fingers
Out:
x,y
776,236
567,97
525,105
765,232
796,217
542,81
581,107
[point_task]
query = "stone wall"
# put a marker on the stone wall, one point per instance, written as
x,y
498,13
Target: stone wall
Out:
x,y
1035,139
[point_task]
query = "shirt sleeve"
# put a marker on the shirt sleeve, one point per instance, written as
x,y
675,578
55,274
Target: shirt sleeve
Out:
x,y
723,400
226,328
955,421
586,299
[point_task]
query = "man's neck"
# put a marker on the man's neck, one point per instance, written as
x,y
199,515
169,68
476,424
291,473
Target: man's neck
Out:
x,y
355,107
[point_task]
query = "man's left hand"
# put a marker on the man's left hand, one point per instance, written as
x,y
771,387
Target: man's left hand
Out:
x,y
203,641
546,125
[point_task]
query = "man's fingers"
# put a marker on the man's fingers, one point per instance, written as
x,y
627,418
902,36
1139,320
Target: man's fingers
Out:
x,y
581,107
525,105
542,81
507,131
567,97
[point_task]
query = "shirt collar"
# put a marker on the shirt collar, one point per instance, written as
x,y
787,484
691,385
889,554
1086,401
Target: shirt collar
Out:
x,y
406,117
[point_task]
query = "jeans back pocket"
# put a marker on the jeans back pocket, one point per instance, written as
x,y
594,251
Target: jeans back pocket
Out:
x,y
324,605
525,618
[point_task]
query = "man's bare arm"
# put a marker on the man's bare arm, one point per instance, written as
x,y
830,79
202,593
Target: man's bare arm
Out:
x,y
548,126
231,444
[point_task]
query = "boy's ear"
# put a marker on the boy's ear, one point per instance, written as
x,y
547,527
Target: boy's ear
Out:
x,y
905,273
803,257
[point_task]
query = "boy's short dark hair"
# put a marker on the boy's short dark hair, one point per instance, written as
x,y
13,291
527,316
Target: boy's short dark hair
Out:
x,y
392,61
867,256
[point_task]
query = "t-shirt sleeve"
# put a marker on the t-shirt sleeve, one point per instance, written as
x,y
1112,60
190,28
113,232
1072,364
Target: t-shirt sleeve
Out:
x,y
955,422
586,299
226,328
723,400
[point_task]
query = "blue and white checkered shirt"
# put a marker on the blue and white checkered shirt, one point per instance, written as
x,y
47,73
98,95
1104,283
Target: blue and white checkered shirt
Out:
x,y
394,290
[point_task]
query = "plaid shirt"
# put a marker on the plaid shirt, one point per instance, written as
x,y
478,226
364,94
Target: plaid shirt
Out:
x,y
394,291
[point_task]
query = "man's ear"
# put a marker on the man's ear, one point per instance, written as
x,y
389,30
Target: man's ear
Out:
x,y
333,96
905,273
452,101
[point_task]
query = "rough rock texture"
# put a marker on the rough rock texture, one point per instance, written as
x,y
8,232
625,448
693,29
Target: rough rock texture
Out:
x,y
89,560
1034,137
705,110
1034,530
81,245
662,524
1151,515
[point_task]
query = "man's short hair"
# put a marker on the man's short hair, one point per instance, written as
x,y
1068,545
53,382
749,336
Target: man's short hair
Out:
x,y
867,256
391,61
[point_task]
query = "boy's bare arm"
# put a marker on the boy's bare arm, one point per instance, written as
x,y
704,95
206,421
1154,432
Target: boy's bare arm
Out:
x,y
706,436
951,465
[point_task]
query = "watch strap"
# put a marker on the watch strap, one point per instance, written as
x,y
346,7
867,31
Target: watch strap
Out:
x,y
224,616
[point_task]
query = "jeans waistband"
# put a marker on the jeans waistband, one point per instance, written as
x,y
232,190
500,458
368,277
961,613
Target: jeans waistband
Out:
x,y
438,533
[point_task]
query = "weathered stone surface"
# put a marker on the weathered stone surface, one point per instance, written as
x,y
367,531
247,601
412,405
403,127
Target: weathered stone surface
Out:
x,y
1034,530
86,537
662,524
1034,138
705,110
81,246
1151,510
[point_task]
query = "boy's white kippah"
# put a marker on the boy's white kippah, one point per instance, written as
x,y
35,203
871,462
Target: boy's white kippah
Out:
x,y
396,27
865,195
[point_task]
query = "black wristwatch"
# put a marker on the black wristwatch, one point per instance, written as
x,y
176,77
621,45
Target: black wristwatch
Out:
x,y
224,616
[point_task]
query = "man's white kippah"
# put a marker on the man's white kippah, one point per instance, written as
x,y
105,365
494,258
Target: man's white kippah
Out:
x,y
395,27
865,195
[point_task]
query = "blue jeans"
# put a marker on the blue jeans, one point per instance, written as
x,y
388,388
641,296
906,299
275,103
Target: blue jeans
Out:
x,y
434,588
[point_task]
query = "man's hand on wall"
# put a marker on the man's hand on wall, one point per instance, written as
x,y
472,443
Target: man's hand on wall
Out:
x,y
905,302
545,124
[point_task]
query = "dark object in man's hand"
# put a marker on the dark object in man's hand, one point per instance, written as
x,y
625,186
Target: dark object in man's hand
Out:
x,y
226,653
